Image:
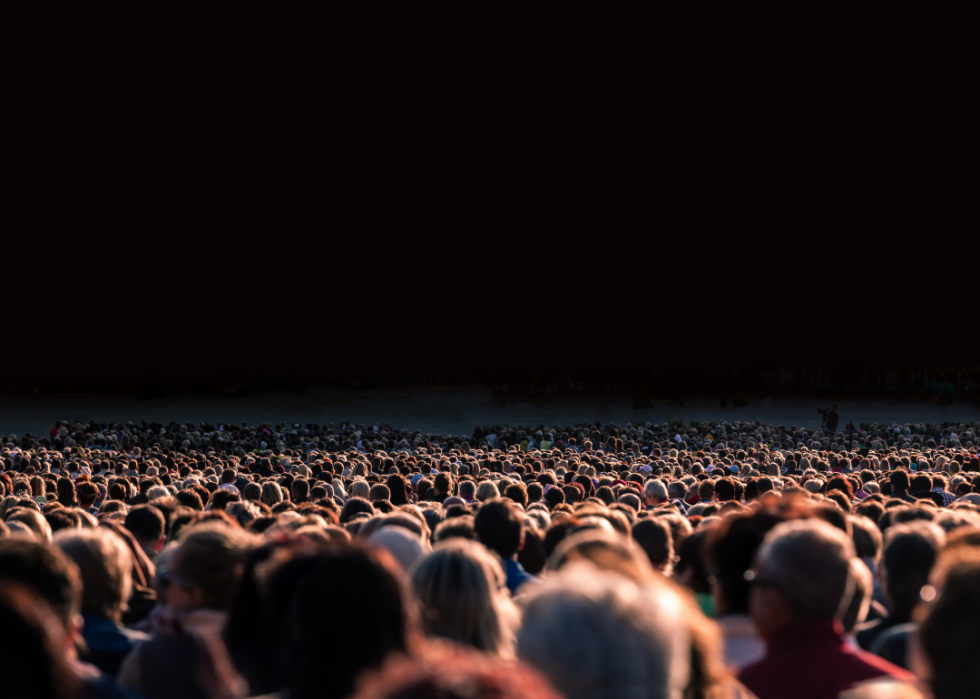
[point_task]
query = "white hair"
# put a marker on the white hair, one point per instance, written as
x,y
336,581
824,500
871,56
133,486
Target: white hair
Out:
x,y
157,491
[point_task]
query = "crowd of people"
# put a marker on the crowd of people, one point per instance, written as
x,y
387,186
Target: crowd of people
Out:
x,y
708,560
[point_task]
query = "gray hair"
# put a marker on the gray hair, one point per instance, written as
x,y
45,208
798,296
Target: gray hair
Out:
x,y
809,562
598,635
655,489
157,491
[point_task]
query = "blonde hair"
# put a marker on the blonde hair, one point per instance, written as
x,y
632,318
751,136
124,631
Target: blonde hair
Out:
x,y
459,585
360,489
486,490
271,493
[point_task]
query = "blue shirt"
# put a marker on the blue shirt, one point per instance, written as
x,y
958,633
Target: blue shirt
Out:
x,y
516,575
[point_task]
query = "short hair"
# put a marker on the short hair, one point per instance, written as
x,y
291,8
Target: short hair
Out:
x,y
654,537
456,527
34,521
597,634
379,491
499,527
146,523
105,565
910,552
808,561
302,487
517,492
655,489
899,479
467,489
867,538
631,500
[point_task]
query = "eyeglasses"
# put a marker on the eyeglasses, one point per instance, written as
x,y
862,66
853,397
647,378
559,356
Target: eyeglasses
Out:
x,y
167,577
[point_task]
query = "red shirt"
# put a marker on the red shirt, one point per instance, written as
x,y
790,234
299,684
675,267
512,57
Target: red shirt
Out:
x,y
811,660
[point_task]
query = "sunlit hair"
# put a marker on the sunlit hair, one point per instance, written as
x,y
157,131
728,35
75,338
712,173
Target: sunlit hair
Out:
x,y
271,493
595,634
460,586
105,565
487,490
360,489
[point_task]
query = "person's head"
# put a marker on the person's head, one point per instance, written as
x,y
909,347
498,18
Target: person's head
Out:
x,y
34,521
66,493
596,634
499,526
487,490
201,573
899,480
147,525
105,565
942,654
909,553
271,493
357,590
459,585
48,572
654,536
379,491
725,490
455,527
654,491
449,671
802,571
32,646
300,488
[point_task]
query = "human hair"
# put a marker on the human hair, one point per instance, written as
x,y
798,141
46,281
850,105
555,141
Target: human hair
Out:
x,y
47,571
66,493
31,643
518,493
950,631
376,616
33,520
300,487
867,538
105,566
655,489
499,527
459,585
454,672
353,506
461,527
207,558
146,523
808,562
654,537
271,493
360,489
595,634
398,490
252,492
487,490
910,552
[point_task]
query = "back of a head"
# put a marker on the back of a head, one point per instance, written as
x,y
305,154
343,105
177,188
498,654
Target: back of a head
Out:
x,y
326,646
207,557
47,571
909,554
146,523
453,672
654,537
105,565
951,630
809,560
32,647
499,526
597,634
459,587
